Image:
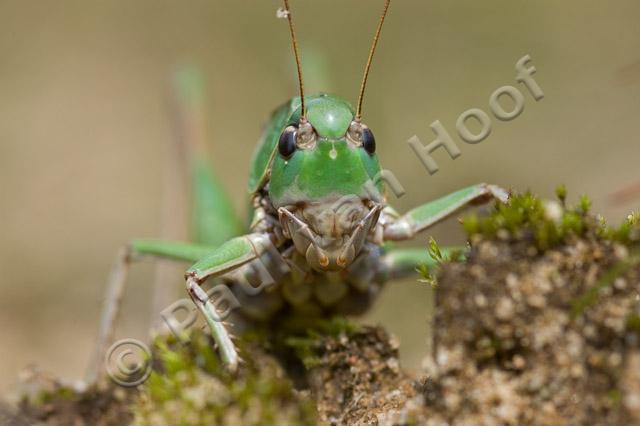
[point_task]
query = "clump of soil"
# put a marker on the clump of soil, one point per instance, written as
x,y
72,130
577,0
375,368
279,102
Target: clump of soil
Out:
x,y
356,379
352,377
48,401
544,334
527,340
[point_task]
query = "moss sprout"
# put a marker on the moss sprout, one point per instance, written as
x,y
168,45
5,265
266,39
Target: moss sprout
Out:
x,y
190,386
548,223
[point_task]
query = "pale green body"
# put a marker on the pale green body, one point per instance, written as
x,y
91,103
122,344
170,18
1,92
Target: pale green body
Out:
x,y
323,201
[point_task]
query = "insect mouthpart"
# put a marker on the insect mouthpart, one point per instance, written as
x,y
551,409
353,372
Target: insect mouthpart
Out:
x,y
330,235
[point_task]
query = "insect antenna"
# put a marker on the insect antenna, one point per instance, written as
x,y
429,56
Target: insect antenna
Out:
x,y
296,53
370,59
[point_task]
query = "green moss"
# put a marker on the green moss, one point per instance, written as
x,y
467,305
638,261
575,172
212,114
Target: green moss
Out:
x,y
428,276
615,396
189,386
561,193
548,223
585,204
628,232
440,257
593,293
60,393
305,349
633,323
306,346
435,252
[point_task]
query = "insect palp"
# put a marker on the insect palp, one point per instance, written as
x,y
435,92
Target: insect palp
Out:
x,y
303,227
342,259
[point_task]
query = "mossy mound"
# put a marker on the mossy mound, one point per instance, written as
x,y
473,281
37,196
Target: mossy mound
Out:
x,y
540,325
45,400
345,375
189,386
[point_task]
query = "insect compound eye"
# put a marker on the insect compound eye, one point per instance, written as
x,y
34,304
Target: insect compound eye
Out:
x,y
287,142
368,141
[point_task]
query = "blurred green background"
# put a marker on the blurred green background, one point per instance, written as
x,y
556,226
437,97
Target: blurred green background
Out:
x,y
86,130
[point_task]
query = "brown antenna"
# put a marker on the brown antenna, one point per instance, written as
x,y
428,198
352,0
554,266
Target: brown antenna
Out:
x,y
294,41
370,59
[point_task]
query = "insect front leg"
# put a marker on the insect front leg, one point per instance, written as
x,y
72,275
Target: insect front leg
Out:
x,y
426,215
226,259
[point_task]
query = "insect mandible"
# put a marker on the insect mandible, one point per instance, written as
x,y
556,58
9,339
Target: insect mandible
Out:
x,y
320,220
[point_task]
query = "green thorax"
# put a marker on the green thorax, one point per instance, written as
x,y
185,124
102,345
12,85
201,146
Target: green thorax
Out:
x,y
333,168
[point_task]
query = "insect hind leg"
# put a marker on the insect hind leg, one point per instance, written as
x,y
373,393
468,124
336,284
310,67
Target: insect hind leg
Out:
x,y
116,284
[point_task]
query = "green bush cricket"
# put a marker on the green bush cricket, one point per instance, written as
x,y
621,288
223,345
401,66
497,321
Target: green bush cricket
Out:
x,y
320,222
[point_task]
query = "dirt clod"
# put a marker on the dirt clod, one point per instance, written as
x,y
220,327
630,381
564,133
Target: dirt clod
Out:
x,y
358,381
553,343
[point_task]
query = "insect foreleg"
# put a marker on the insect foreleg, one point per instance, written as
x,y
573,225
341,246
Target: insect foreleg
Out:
x,y
226,259
219,332
426,215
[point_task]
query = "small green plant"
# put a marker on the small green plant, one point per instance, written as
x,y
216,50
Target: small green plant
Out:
x,y
435,252
548,223
306,345
561,193
439,256
585,204
633,323
591,297
428,276
189,385
628,232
